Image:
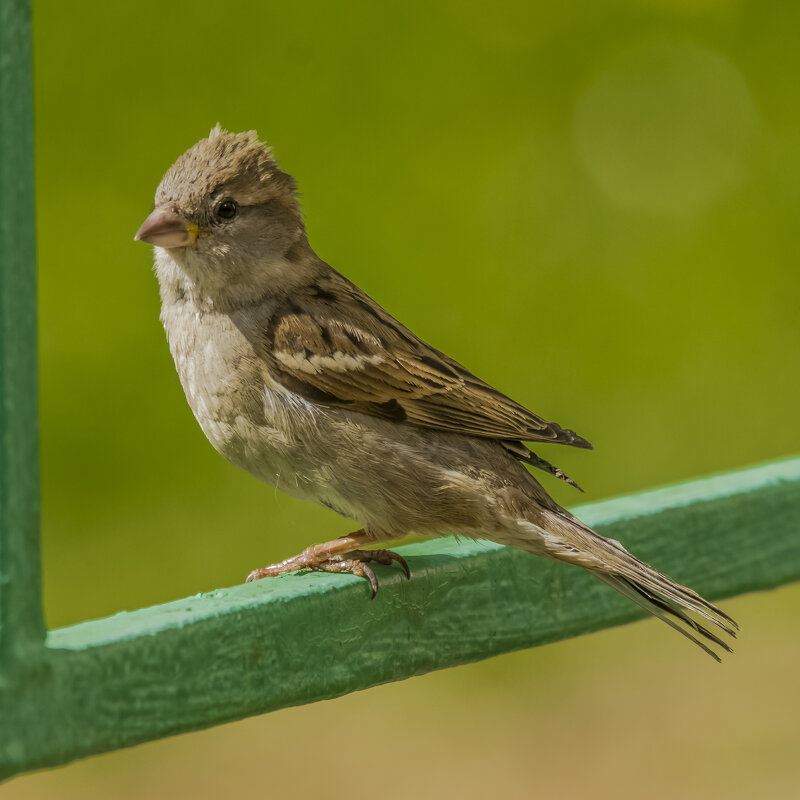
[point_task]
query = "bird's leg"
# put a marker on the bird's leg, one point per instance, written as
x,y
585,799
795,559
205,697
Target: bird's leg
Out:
x,y
340,555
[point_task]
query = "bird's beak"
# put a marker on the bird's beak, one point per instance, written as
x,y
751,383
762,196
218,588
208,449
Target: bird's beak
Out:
x,y
165,227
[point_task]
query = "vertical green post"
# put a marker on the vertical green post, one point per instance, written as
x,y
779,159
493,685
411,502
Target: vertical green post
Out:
x,y
21,621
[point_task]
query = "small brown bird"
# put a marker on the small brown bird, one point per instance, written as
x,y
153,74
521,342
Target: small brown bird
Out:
x,y
300,378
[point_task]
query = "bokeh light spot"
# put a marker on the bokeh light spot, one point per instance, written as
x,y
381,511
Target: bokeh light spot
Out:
x,y
665,128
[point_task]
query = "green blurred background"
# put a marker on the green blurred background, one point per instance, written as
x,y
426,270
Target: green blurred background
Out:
x,y
591,205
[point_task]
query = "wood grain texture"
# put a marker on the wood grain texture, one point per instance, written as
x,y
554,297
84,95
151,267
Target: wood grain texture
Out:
x,y
21,624
253,648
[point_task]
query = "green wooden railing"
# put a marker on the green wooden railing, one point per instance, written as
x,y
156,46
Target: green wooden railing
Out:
x,y
257,647
253,648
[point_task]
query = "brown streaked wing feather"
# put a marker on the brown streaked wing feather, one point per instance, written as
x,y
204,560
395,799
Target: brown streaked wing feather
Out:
x,y
354,354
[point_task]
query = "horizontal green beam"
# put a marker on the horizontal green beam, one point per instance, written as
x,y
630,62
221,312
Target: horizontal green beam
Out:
x,y
284,641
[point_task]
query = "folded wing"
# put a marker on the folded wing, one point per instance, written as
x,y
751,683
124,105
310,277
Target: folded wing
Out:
x,y
353,354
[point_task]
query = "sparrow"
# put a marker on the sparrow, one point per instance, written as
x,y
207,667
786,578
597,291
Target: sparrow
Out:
x,y
300,378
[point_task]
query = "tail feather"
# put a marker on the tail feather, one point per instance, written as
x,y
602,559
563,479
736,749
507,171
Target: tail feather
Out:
x,y
643,576
571,541
665,612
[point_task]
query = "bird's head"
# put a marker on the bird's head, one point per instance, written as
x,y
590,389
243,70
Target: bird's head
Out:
x,y
225,210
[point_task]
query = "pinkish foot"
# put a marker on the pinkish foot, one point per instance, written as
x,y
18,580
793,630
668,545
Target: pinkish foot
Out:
x,y
323,558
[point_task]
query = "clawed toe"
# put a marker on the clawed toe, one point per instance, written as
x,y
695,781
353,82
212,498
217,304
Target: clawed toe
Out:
x,y
385,557
351,566
354,562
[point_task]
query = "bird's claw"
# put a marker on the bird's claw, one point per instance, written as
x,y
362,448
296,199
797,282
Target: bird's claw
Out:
x,y
385,557
354,562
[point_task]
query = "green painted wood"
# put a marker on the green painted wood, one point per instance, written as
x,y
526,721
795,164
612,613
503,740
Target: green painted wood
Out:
x,y
21,623
296,639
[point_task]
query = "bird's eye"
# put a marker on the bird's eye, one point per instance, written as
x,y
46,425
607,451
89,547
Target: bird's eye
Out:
x,y
227,209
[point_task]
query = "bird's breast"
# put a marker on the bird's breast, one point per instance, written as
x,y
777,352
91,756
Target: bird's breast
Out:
x,y
247,416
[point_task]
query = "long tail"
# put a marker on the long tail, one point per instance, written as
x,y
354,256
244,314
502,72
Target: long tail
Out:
x,y
568,539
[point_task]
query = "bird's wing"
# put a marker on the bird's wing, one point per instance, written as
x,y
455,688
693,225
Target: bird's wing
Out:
x,y
352,354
